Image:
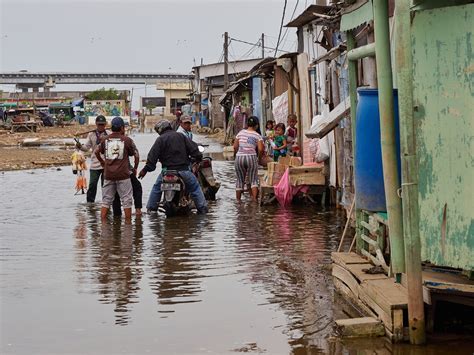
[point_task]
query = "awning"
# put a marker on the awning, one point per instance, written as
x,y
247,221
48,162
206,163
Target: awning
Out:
x,y
312,13
326,124
330,55
356,15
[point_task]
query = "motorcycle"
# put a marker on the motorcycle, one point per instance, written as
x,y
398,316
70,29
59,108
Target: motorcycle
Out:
x,y
176,199
205,176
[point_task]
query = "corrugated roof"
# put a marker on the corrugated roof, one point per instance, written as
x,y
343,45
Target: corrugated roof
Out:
x,y
309,15
356,14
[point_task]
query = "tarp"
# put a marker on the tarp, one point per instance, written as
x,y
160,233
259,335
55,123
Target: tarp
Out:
x,y
280,108
284,191
77,102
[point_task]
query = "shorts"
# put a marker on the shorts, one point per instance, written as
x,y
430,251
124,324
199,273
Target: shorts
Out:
x,y
122,187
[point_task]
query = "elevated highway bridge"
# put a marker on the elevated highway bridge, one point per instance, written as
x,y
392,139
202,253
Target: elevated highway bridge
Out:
x,y
25,80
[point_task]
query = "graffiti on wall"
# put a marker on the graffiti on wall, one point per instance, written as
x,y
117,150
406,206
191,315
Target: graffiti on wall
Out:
x,y
105,108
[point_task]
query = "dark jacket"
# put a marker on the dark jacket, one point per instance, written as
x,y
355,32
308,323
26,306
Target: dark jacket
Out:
x,y
173,150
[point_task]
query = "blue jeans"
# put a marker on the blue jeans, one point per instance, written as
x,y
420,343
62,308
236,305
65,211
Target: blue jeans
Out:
x,y
155,195
192,185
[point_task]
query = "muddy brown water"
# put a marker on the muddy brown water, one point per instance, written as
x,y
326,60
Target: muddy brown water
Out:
x,y
243,278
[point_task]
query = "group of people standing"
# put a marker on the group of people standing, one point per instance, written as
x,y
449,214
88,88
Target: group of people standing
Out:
x,y
174,148
110,163
251,149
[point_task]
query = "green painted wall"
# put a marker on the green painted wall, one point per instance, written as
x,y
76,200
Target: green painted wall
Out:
x,y
443,49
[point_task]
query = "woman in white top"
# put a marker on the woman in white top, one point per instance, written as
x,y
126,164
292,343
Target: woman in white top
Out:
x,y
248,147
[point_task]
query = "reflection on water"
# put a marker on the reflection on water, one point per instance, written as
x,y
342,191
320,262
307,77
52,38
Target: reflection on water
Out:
x,y
175,264
113,253
241,275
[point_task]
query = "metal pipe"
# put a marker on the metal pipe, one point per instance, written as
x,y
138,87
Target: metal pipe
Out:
x,y
387,136
362,52
404,69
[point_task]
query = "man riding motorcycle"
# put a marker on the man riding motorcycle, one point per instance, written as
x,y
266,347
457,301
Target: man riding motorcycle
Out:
x,y
173,150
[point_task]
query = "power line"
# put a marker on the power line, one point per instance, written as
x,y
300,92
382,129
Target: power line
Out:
x,y
291,19
252,44
281,26
251,50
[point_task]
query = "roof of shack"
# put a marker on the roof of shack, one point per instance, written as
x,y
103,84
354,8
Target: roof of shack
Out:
x,y
312,13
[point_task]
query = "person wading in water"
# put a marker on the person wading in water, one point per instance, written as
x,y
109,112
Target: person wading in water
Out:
x,y
248,147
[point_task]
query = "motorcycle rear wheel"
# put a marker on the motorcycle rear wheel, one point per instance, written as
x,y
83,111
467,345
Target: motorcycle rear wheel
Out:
x,y
170,209
210,194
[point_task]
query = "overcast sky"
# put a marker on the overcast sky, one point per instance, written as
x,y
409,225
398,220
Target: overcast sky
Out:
x,y
135,36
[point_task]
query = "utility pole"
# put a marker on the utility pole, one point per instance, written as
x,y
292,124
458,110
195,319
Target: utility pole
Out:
x,y
263,45
226,61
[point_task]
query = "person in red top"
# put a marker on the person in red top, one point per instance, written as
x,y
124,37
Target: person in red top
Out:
x,y
116,149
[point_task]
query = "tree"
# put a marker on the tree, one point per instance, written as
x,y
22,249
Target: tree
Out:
x,y
104,94
150,108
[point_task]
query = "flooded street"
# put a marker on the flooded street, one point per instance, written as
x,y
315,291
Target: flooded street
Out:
x,y
243,278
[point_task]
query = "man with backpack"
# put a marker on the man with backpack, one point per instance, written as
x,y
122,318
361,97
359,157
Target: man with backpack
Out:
x,y
116,149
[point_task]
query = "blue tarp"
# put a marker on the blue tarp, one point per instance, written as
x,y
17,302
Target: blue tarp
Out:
x,y
77,102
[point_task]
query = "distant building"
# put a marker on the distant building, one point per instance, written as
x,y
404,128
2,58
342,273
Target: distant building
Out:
x,y
177,94
208,86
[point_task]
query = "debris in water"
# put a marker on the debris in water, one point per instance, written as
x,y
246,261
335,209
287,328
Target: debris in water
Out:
x,y
249,347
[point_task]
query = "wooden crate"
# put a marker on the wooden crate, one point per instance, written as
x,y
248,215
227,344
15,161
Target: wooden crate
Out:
x,y
274,173
307,175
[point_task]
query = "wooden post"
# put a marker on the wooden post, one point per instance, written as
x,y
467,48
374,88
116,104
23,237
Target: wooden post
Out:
x,y
226,61
404,68
263,45
353,98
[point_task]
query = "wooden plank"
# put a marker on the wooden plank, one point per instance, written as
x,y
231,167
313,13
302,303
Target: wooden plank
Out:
x,y
377,260
397,325
387,294
381,314
345,291
448,282
347,258
369,227
452,288
331,121
330,55
305,117
307,175
346,277
360,327
369,240
356,270
447,278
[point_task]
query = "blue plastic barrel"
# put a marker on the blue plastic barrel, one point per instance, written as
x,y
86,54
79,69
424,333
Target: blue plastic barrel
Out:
x,y
203,121
81,119
369,184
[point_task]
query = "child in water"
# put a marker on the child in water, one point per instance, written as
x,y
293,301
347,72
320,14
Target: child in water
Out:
x,y
279,143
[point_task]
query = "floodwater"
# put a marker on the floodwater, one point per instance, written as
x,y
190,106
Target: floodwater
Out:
x,y
243,278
